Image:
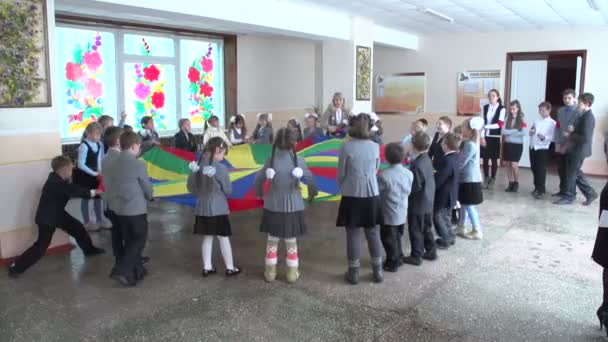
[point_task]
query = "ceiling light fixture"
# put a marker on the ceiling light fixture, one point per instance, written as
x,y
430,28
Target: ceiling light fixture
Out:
x,y
439,15
594,5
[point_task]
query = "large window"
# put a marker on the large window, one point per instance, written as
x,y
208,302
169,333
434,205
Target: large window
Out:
x,y
105,71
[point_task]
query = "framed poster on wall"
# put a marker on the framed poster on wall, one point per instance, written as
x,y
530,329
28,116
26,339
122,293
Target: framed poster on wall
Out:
x,y
364,73
473,88
400,93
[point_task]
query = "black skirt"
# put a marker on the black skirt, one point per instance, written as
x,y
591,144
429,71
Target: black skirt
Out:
x,y
512,152
213,225
283,225
85,180
492,148
357,212
470,194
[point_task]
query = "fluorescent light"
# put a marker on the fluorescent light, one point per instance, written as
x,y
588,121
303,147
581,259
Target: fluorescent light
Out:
x,y
593,4
439,15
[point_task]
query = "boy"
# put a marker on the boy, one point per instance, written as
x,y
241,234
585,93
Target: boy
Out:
x,y
184,140
446,193
421,203
394,185
51,214
541,135
130,189
566,116
578,147
148,134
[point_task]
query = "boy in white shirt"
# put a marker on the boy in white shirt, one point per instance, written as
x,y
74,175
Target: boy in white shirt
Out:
x,y
541,135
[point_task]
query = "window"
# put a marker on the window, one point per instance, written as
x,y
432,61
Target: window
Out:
x,y
165,76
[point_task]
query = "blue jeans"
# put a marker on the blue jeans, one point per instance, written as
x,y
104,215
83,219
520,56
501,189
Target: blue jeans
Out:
x,y
84,208
471,212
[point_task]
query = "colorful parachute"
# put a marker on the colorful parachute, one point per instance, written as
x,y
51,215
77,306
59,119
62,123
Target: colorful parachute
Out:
x,y
168,170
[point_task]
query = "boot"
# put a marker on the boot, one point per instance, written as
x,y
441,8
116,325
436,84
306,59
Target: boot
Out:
x,y
510,187
491,182
352,275
378,274
270,273
515,186
293,274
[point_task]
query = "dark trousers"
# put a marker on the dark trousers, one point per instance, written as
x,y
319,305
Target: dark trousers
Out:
x,y
538,164
486,167
134,232
118,243
561,171
391,241
442,222
421,234
45,233
575,177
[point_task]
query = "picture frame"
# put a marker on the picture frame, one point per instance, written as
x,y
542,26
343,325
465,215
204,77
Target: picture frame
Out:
x,y
401,93
363,82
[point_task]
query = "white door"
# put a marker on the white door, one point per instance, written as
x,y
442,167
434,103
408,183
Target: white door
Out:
x,y
528,85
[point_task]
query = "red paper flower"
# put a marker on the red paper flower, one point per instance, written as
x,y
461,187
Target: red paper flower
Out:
x,y
206,89
92,60
93,88
158,99
151,73
207,64
73,71
193,75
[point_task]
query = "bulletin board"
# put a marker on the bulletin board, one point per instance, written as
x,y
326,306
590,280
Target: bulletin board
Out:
x,y
400,93
473,88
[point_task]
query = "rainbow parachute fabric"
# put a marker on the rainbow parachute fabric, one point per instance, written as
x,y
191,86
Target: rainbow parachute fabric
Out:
x,y
168,170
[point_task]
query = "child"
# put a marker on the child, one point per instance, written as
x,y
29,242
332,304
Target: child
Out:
x,y
358,164
446,189
262,134
469,191
420,210
90,154
184,139
130,188
51,213
106,122
376,130
212,186
283,215
513,133
444,125
312,128
127,128
493,117
149,136
394,185
212,129
417,126
237,131
294,126
566,116
541,135
336,116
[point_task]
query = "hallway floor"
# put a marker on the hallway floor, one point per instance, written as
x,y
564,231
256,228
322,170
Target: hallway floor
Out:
x,y
530,279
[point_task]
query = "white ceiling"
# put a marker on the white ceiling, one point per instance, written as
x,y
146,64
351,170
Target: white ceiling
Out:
x,y
473,15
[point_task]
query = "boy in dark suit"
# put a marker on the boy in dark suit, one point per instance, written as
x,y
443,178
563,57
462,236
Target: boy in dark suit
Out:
x,y
184,140
51,214
421,199
579,139
446,193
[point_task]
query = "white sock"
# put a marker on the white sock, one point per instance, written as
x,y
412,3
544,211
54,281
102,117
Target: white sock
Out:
x,y
207,249
226,249
291,246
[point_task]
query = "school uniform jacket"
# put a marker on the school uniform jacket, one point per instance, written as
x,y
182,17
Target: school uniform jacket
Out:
x,y
185,141
579,141
130,186
446,181
436,151
394,184
211,192
284,194
56,193
423,187
469,163
494,123
358,164
108,162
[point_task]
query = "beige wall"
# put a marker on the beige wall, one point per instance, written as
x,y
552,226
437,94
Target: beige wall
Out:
x,y
441,57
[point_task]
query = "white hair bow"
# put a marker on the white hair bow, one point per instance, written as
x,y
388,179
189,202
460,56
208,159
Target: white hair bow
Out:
x,y
209,171
374,117
270,173
309,115
297,172
269,115
476,123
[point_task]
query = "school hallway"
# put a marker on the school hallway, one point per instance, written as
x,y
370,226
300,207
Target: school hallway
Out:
x,y
530,279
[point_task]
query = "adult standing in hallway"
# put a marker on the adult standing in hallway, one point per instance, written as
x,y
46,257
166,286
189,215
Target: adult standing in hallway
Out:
x,y
335,118
493,119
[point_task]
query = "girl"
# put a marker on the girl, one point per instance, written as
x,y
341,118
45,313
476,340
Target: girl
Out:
x,y
336,116
360,205
263,130
90,154
237,131
212,129
444,125
210,182
312,128
283,216
294,126
469,192
514,132
493,118
376,130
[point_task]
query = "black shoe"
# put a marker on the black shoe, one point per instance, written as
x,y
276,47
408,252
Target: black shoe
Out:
x,y
352,275
12,272
558,194
590,199
491,182
603,316
515,187
124,281
534,192
539,195
563,201
140,272
94,251
145,260
412,261
391,266
378,274
205,273
600,316
233,272
510,187
431,256
442,244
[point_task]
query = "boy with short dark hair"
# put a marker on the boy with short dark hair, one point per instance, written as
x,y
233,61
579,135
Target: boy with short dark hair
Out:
x,y
51,214
566,116
541,136
149,136
421,199
184,139
446,190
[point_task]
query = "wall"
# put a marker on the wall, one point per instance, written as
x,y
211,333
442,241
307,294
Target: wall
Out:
x,y
441,57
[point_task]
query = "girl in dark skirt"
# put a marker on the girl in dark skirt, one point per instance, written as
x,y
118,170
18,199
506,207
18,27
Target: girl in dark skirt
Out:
x,y
493,116
360,205
600,251
283,215
210,182
513,133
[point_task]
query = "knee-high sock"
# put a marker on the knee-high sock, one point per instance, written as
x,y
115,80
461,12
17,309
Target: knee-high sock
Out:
x,y
226,249
207,249
292,252
272,246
